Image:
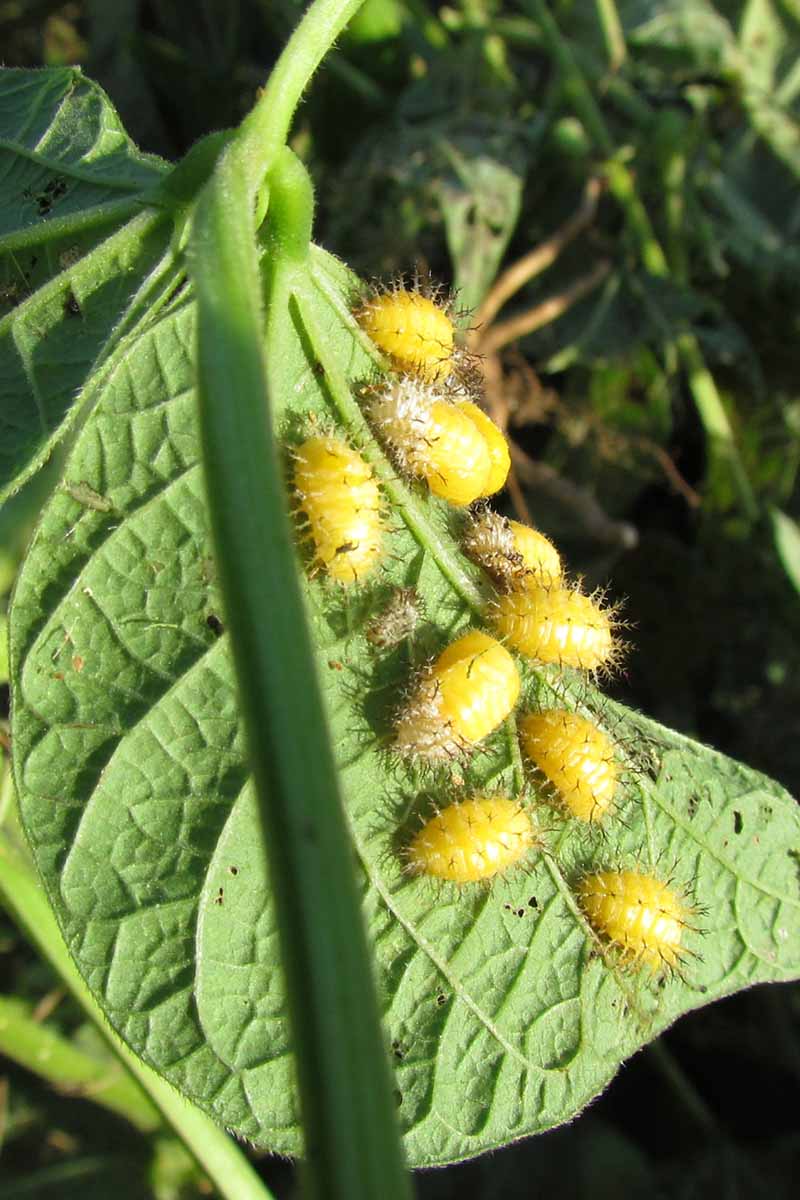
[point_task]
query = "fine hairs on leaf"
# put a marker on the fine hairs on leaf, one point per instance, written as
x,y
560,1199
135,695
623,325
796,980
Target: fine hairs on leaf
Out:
x,y
132,770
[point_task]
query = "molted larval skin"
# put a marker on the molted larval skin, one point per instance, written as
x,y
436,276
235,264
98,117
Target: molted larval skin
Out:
x,y
472,841
340,497
517,556
575,757
464,695
397,620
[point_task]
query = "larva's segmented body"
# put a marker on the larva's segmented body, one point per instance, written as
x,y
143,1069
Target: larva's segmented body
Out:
x,y
412,330
557,625
339,495
499,455
472,841
517,556
462,697
576,758
640,916
431,439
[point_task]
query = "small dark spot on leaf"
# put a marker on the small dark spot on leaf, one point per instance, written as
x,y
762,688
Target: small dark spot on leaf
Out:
x,y
72,307
693,803
738,823
233,870
441,999
398,1051
520,912
218,899
533,902
398,1098
335,666
58,675
215,625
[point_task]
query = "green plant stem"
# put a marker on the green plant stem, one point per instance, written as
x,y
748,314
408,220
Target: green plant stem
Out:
x,y
212,1148
39,1049
675,212
264,131
623,189
722,452
116,212
613,35
349,1116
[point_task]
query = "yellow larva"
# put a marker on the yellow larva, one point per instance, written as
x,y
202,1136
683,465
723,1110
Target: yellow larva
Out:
x,y
558,625
499,456
638,914
462,697
340,497
575,757
473,840
515,555
431,439
412,330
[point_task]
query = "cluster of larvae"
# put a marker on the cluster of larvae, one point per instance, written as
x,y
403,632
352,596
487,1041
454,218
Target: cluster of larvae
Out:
x,y
423,410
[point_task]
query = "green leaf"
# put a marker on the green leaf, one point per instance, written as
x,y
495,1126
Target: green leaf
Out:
x,y
63,152
786,533
130,763
689,34
71,287
480,210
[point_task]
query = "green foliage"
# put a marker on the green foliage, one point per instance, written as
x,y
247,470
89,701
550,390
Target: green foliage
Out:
x,y
130,755
133,782
70,175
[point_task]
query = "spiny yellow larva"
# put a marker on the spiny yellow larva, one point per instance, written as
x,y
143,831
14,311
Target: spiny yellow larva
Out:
x,y
515,555
639,915
397,620
339,495
461,698
499,454
558,625
472,840
431,439
412,330
576,758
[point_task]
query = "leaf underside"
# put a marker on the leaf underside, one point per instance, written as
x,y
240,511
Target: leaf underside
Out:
x,y
503,1015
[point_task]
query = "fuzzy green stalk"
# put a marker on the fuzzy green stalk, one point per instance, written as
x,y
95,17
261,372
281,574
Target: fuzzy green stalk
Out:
x,y
348,1107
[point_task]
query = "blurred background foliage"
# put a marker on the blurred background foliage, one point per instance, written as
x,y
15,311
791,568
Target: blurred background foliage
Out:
x,y
611,190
